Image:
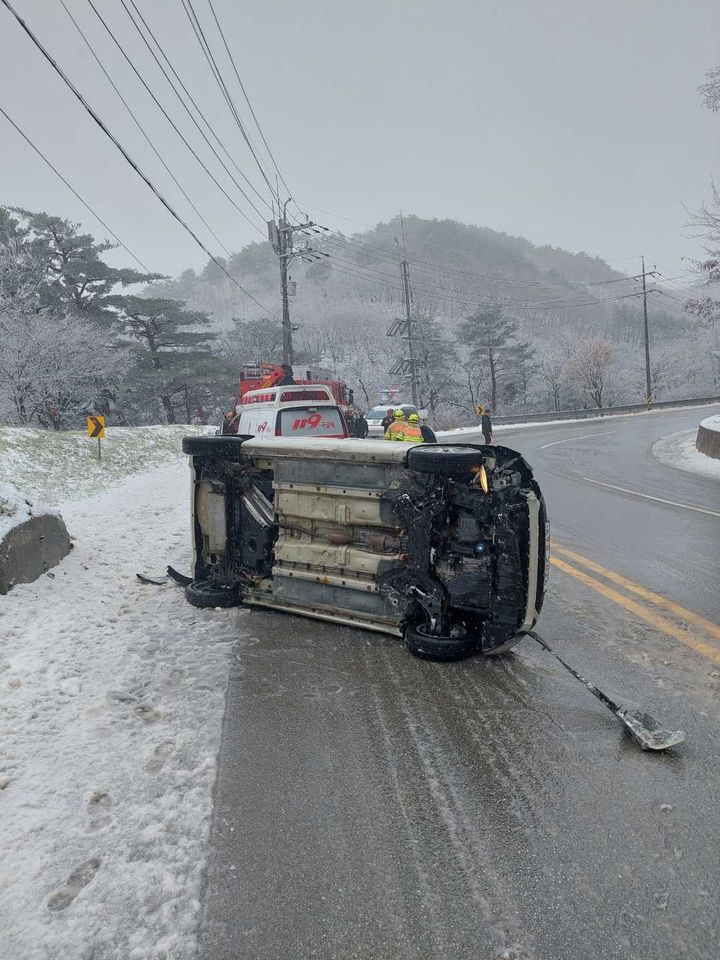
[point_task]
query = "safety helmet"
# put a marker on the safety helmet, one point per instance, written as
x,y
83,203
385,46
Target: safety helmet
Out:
x,y
413,418
398,414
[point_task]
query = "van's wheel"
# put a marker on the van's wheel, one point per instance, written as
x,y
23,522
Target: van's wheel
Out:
x,y
207,594
421,643
444,461
226,448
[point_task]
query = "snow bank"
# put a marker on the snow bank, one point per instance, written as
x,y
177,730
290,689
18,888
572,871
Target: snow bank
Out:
x,y
111,704
711,423
678,450
16,508
63,466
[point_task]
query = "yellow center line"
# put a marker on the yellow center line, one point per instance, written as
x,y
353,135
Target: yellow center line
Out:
x,y
635,588
655,620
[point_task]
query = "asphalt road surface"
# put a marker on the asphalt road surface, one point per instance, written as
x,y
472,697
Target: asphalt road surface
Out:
x,y
371,805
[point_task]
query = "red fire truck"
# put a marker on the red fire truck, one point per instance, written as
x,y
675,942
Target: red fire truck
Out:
x,y
257,376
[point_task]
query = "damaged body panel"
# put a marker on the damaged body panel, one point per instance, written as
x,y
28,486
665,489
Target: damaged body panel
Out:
x,y
444,545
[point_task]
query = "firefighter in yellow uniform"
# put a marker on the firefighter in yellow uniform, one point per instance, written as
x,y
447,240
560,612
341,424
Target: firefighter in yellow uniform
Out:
x,y
396,428
412,432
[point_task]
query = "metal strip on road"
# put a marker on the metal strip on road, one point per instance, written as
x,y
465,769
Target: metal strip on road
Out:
x,y
582,436
656,620
647,496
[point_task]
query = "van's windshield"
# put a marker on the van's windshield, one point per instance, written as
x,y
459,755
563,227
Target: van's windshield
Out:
x,y
311,422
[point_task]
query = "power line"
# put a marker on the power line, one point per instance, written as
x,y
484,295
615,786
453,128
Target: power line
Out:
x,y
686,314
427,288
385,280
429,267
70,187
247,100
192,100
215,70
172,122
127,156
139,125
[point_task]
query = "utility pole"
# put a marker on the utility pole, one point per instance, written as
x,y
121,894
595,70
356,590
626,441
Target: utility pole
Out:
x,y
648,384
281,235
405,271
404,327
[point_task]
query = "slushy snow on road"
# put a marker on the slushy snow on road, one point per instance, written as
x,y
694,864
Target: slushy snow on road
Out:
x,y
111,704
678,450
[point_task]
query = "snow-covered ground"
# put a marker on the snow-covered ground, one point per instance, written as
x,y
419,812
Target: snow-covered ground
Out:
x,y
60,466
16,508
111,704
678,450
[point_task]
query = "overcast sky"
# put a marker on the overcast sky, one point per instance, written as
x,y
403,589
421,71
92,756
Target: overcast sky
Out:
x,y
569,122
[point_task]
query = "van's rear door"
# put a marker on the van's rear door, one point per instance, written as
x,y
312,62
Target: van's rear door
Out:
x,y
311,422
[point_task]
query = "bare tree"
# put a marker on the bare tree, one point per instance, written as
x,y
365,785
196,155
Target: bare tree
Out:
x,y
591,365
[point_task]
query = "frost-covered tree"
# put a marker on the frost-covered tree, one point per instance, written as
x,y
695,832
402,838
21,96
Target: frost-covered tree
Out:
x,y
76,278
52,367
710,90
250,341
591,367
171,350
491,336
55,364
707,221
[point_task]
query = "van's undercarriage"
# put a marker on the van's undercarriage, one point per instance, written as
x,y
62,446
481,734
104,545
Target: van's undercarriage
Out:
x,y
444,545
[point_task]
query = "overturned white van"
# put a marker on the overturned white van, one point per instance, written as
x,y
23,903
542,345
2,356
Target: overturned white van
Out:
x,y
442,545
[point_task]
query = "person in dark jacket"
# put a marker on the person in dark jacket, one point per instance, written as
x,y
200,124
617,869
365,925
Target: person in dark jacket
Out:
x,y
387,419
362,426
486,426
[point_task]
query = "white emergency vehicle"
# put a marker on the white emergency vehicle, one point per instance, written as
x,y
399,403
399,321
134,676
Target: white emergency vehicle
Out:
x,y
291,411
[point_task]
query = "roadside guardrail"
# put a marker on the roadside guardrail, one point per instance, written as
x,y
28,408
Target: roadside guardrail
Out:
x,y
603,411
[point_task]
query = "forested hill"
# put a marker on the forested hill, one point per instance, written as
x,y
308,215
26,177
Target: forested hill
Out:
x,y
545,304
453,266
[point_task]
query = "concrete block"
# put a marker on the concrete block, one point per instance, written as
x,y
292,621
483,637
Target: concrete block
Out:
x,y
708,437
32,548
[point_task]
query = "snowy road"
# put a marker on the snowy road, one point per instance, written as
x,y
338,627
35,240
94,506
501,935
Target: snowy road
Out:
x,y
111,705
373,806
368,805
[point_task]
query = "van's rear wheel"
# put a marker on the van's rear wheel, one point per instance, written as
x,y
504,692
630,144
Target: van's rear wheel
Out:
x,y
207,594
429,646
227,448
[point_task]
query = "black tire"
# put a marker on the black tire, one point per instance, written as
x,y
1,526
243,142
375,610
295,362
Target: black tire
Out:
x,y
206,594
421,643
444,461
225,448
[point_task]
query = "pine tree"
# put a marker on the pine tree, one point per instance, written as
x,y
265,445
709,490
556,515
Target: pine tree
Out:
x,y
174,362
490,334
77,279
